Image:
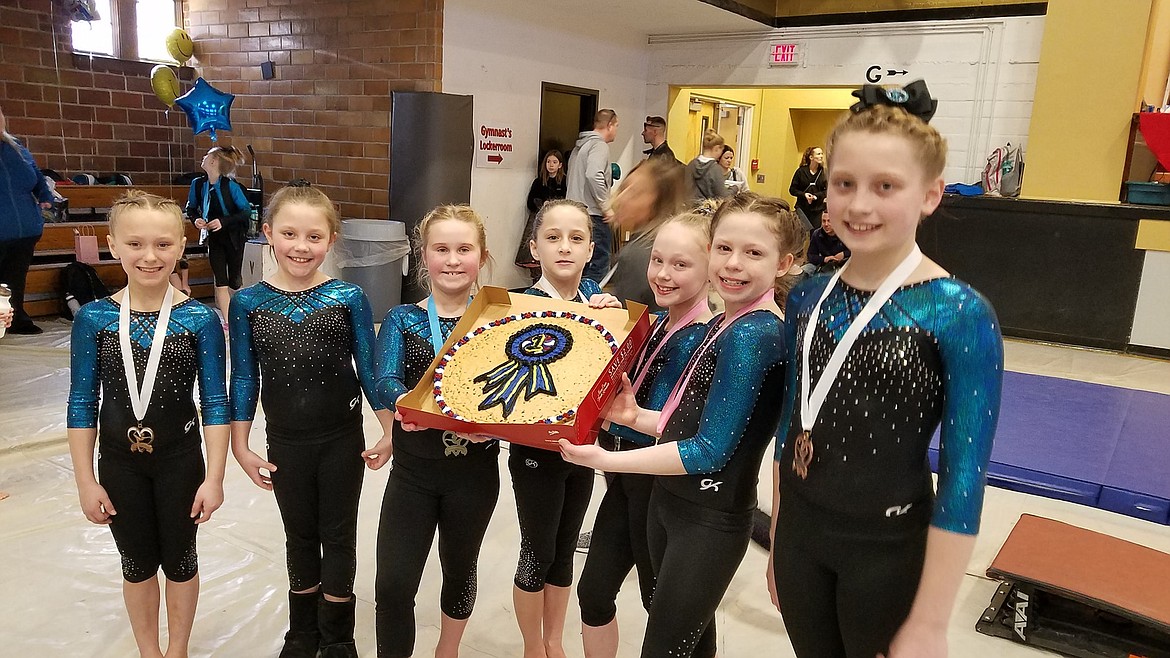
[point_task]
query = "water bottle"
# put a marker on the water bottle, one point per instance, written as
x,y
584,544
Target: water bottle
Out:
x,y
5,304
72,303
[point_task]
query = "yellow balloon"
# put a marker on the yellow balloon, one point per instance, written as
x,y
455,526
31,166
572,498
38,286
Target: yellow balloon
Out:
x,y
180,46
165,84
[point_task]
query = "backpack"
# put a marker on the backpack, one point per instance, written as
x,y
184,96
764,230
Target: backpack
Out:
x,y
1004,172
81,282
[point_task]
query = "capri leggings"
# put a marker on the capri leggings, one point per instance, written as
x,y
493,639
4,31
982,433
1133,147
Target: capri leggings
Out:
x,y
696,551
618,544
317,488
845,585
552,497
456,496
153,526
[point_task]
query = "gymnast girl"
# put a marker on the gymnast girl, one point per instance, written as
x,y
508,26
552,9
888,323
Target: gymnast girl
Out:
x,y
441,481
295,339
143,348
867,560
552,496
216,203
713,428
677,274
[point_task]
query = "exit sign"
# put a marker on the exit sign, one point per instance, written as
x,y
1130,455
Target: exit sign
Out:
x,y
783,54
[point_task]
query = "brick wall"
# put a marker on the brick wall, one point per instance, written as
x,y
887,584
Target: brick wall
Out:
x,y
79,116
325,116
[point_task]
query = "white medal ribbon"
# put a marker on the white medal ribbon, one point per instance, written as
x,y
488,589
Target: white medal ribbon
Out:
x,y
810,405
140,398
547,286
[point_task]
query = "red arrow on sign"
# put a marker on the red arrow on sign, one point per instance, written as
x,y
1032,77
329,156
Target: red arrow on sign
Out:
x,y
495,158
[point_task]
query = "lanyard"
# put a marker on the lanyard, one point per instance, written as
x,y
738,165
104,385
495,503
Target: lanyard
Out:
x,y
547,286
810,405
642,364
140,398
433,318
207,187
676,394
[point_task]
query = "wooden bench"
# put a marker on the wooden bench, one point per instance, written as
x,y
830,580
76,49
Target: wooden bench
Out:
x,y
103,196
55,250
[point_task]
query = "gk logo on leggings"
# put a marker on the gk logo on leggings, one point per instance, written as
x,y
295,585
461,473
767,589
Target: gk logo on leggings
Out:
x,y
531,463
708,483
898,510
354,402
188,426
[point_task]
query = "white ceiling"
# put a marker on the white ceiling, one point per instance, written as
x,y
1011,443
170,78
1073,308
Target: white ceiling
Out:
x,y
626,19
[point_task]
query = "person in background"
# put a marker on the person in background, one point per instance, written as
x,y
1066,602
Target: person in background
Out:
x,y
704,175
588,181
549,184
733,176
654,134
650,194
809,183
217,204
826,252
21,189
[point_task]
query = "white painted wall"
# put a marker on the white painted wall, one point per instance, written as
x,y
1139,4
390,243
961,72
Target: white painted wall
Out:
x,y
982,71
1151,321
501,52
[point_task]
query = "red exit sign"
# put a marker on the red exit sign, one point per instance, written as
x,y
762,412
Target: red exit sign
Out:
x,y
783,54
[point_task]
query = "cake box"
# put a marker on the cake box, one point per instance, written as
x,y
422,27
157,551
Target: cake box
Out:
x,y
630,327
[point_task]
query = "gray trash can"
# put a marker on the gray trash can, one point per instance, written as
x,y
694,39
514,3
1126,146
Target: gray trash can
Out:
x,y
371,253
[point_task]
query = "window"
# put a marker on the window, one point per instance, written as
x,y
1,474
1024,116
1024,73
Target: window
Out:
x,y
128,29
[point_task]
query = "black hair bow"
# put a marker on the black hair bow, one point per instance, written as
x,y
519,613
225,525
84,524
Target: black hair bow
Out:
x,y
914,98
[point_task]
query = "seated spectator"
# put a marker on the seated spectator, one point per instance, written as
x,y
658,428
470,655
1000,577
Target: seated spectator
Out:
x,y
826,252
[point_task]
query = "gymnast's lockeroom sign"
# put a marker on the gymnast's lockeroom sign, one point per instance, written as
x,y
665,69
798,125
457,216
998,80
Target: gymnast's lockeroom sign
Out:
x,y
493,147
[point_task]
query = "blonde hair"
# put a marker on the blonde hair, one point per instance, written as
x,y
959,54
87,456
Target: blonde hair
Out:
x,y
309,196
560,203
697,221
790,231
929,145
7,136
458,212
711,139
139,200
229,157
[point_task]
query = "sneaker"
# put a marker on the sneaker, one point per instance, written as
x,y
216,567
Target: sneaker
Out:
x,y
29,329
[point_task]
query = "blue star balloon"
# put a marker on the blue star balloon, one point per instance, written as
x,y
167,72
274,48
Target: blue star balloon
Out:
x,y
207,108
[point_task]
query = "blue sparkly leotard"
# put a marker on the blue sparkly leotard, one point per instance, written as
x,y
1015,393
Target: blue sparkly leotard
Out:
x,y
303,346
661,375
193,349
728,413
405,353
932,354
588,286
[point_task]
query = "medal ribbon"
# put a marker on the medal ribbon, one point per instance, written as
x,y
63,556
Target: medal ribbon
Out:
x,y
677,393
547,286
140,398
810,405
642,364
433,318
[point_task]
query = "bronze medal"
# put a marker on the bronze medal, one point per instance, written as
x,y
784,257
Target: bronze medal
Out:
x,y
141,439
802,454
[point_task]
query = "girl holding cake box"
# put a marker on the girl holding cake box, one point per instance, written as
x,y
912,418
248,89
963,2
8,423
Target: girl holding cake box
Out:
x,y
552,495
677,274
713,429
441,481
152,487
295,340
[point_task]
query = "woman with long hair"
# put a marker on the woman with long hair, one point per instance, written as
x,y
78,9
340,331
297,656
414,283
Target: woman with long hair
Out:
x,y
809,184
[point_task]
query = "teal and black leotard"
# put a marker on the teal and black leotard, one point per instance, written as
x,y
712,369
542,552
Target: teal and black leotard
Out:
x,y
152,490
851,538
441,482
296,352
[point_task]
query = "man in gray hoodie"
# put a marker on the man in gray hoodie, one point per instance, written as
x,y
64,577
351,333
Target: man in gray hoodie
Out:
x,y
588,181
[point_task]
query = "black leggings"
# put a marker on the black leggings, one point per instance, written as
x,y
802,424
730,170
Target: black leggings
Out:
x,y
552,497
317,488
845,585
455,495
227,261
153,526
696,551
618,544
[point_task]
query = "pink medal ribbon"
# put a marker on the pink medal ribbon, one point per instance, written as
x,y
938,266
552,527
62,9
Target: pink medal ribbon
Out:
x,y
644,362
677,393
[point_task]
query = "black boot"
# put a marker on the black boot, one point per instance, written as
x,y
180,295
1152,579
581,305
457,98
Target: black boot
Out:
x,y
336,620
302,639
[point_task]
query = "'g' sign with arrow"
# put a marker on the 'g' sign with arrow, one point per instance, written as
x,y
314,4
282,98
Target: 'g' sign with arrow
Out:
x,y
875,73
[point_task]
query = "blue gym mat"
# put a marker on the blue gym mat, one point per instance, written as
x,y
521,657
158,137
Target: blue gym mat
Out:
x,y
1097,445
